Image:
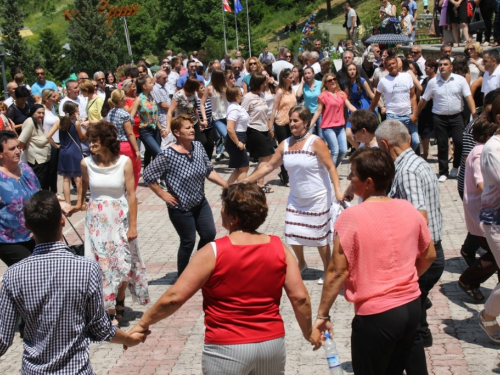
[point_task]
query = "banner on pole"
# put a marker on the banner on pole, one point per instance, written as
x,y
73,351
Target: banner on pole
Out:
x,y
226,6
237,6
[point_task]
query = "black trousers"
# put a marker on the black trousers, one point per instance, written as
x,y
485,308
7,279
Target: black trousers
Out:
x,y
381,343
11,253
481,269
445,125
206,138
281,133
53,165
42,173
487,8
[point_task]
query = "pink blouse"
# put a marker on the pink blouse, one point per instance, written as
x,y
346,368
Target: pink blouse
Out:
x,y
333,109
382,241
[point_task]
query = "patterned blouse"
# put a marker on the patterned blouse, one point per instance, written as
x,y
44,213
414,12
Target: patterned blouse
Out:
x,y
186,105
13,195
184,174
148,112
118,116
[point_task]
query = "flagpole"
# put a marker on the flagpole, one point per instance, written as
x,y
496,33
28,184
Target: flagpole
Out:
x,y
248,31
224,26
236,29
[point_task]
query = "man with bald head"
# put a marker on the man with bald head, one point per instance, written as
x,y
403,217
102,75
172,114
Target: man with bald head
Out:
x,y
348,58
11,88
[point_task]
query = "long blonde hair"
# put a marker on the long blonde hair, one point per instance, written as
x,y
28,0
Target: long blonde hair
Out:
x,y
325,78
116,96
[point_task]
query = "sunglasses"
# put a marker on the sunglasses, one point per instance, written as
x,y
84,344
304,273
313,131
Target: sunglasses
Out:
x,y
101,79
471,49
40,74
330,80
252,63
95,85
289,56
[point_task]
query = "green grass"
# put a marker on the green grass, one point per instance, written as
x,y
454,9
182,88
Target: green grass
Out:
x,y
36,22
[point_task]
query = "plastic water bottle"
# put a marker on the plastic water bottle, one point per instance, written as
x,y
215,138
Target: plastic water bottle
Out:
x,y
332,356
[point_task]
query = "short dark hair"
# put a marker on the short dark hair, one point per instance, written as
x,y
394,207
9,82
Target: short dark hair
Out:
x,y
191,85
432,63
42,213
5,136
107,135
445,45
373,163
69,82
483,129
21,92
491,96
247,202
257,80
191,62
364,118
39,67
494,54
177,121
445,58
134,72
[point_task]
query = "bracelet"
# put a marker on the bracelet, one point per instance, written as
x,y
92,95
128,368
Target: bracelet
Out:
x,y
323,317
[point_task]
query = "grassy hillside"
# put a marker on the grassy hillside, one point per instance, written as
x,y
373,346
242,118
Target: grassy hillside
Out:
x,y
37,21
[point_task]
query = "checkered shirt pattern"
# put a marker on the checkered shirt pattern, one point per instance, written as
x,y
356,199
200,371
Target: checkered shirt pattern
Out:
x,y
417,183
118,116
161,95
184,174
59,296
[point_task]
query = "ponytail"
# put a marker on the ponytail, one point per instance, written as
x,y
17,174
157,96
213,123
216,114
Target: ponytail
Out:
x,y
69,108
111,103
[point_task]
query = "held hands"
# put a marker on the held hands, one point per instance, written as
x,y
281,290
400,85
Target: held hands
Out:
x,y
137,335
317,336
241,145
413,118
164,132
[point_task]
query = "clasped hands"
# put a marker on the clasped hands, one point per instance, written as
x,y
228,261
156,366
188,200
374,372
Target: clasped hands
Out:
x,y
317,336
137,335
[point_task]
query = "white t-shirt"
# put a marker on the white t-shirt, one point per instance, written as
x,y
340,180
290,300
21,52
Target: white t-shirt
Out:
x,y
491,82
316,67
279,65
49,120
237,113
396,91
352,13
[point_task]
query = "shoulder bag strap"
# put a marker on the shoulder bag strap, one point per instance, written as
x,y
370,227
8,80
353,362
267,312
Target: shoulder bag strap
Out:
x,y
79,147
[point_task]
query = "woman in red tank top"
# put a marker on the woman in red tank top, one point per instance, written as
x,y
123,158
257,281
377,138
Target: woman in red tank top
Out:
x,y
242,276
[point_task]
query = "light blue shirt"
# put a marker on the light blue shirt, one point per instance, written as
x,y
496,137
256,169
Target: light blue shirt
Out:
x,y
311,96
36,88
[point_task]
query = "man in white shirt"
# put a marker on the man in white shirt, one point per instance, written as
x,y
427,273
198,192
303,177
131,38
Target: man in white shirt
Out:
x,y
72,92
447,91
313,61
82,76
399,95
351,21
101,84
491,78
266,55
11,88
281,64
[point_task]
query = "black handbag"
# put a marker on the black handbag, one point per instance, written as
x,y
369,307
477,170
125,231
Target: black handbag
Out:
x,y
478,26
75,249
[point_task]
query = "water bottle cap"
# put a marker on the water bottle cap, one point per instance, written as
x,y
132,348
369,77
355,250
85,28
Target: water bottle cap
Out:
x,y
327,335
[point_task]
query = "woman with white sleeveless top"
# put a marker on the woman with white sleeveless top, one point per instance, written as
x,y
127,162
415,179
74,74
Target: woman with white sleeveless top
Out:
x,y
308,218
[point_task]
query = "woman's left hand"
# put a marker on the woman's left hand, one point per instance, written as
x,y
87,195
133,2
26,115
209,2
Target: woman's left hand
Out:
x,y
164,133
131,234
339,196
319,327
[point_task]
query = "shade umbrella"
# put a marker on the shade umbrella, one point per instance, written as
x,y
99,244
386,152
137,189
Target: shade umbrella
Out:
x,y
389,39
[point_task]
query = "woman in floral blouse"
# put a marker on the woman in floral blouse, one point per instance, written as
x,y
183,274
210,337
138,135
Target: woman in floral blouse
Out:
x,y
18,183
184,101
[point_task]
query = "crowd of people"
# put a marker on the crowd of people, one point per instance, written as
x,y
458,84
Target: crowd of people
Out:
x,y
292,112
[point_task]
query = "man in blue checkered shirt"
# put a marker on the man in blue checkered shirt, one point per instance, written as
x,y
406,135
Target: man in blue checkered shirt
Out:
x,y
59,296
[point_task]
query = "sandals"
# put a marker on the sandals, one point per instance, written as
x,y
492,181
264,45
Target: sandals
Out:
x,y
483,323
266,189
473,293
120,313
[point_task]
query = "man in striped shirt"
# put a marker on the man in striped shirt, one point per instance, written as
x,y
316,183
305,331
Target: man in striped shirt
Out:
x,y
59,296
416,182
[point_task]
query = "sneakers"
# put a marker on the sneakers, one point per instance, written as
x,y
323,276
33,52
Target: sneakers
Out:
x,y
442,178
454,173
320,281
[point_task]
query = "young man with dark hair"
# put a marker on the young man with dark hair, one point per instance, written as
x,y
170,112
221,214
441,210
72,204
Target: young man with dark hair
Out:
x,y
59,296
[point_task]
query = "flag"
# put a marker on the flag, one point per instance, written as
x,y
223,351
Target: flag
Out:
x,y
237,6
226,6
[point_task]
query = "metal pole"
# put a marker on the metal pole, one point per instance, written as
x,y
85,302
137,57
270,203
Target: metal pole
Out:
x,y
125,27
248,30
5,92
236,29
224,25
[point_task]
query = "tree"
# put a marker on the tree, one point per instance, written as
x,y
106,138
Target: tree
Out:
x,y
16,48
93,47
50,49
329,8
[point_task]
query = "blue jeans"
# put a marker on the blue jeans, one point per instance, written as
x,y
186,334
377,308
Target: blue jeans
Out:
x,y
337,142
221,126
412,128
316,126
187,223
151,138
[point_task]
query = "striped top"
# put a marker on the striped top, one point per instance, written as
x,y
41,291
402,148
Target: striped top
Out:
x,y
208,112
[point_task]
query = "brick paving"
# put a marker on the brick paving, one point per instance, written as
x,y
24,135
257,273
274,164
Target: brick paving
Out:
x,y
175,346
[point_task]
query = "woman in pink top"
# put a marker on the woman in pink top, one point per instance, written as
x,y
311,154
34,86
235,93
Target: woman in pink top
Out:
x,y
242,277
482,269
381,248
331,104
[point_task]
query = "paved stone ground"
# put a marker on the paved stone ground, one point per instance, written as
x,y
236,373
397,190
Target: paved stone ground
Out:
x,y
175,346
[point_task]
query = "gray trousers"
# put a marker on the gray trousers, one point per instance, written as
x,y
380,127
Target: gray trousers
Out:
x,y
260,358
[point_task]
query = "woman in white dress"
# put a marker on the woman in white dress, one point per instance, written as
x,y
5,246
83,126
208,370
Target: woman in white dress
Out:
x,y
111,220
308,219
